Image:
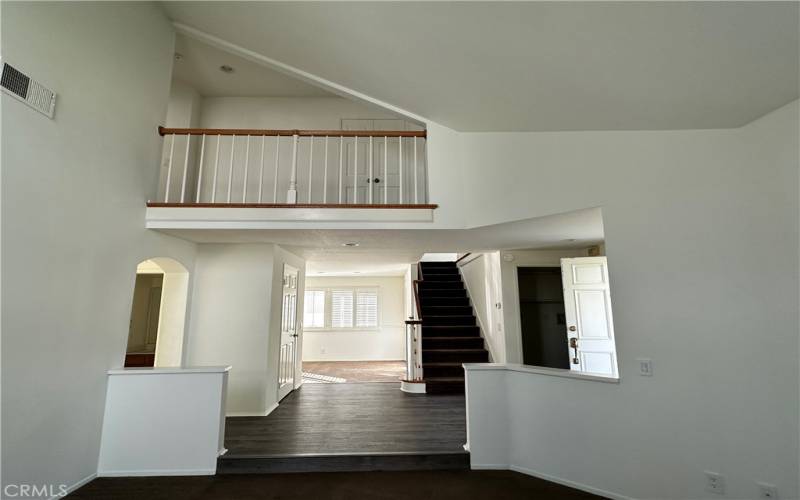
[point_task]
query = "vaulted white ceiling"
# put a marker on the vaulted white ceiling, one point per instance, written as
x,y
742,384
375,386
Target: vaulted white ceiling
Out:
x,y
539,66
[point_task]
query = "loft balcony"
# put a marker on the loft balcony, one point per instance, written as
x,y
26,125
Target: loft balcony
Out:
x,y
253,178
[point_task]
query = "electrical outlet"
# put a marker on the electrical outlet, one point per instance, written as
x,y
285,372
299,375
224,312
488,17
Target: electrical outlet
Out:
x,y
322,350
645,367
715,482
766,490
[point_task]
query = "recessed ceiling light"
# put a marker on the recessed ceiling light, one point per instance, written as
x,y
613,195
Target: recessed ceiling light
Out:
x,y
570,240
350,244
178,56
226,69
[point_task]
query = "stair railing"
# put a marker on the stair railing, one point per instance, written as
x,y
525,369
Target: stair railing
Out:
x,y
231,167
414,335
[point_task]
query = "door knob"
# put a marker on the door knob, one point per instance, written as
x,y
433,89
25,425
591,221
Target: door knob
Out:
x,y
573,343
377,180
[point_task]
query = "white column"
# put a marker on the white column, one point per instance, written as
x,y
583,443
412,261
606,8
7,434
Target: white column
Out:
x,y
230,167
246,162
325,175
371,175
291,195
310,166
169,169
277,164
355,170
261,170
216,170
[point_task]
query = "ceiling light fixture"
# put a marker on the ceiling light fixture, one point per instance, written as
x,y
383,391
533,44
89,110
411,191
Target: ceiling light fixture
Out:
x,y
178,56
226,69
350,244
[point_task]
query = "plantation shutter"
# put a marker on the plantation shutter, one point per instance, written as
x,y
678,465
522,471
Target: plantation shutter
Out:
x,y
342,308
367,308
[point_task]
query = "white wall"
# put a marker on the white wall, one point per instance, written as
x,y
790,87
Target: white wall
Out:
x,y
482,278
387,343
163,422
183,111
701,232
73,201
230,319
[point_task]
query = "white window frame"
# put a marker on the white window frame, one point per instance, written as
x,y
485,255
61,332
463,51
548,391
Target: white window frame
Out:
x,y
329,310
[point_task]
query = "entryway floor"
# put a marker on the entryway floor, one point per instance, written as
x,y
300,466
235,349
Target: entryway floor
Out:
x,y
351,418
344,372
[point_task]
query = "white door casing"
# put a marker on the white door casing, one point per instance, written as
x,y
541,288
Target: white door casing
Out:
x,y
590,324
287,359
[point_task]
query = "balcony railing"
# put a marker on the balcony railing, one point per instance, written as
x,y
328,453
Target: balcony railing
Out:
x,y
244,167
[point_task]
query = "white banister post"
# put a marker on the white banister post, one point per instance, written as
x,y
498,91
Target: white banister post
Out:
x,y
325,175
185,167
169,169
371,175
216,169
277,165
230,168
400,159
341,155
261,170
200,168
385,170
310,166
246,163
355,170
291,195
416,183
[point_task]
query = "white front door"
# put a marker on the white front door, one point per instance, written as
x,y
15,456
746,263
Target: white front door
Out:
x,y
287,359
590,325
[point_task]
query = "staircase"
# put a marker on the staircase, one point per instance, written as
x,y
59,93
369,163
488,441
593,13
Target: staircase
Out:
x,y
450,335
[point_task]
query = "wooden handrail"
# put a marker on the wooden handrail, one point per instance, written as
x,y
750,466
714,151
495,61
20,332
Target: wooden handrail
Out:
x,y
463,257
290,132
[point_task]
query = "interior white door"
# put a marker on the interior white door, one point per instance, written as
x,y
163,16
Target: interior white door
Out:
x,y
287,359
590,324
384,183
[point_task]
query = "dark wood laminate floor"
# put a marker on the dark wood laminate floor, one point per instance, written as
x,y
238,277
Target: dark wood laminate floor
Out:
x,y
417,485
351,418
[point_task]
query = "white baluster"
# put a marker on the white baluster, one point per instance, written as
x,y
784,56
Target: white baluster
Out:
x,y
216,169
169,169
400,159
355,170
385,170
416,184
291,195
369,184
230,168
310,166
200,168
185,167
341,155
246,162
261,170
325,175
277,164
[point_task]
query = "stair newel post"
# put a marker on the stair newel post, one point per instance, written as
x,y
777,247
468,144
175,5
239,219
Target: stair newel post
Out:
x,y
291,195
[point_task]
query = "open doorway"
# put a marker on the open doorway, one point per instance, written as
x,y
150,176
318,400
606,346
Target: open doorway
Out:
x,y
565,316
158,313
353,329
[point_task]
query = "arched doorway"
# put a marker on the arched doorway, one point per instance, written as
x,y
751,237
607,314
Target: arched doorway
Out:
x,y
158,314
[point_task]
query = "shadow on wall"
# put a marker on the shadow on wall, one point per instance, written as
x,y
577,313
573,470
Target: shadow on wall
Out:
x,y
158,314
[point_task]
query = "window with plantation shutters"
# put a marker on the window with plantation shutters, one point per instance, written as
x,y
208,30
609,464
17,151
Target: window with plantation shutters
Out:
x,y
314,309
366,308
341,308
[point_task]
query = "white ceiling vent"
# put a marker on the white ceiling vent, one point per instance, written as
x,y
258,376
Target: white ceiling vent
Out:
x,y
22,87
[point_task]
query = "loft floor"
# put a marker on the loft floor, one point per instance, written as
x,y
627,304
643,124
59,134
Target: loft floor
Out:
x,y
350,427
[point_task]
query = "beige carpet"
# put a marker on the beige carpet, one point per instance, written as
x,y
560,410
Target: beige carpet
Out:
x,y
344,372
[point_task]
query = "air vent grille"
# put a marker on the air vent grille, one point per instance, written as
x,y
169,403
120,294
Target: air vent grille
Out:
x,y
19,85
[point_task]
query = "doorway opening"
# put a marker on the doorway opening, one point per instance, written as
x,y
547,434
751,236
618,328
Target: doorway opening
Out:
x,y
353,325
566,320
158,314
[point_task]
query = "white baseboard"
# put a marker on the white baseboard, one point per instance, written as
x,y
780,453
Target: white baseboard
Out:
x,y
252,413
490,467
77,485
158,472
571,484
